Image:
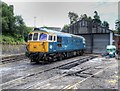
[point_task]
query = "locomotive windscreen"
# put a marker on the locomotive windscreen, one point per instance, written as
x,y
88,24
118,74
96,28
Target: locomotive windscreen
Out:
x,y
30,37
35,37
43,36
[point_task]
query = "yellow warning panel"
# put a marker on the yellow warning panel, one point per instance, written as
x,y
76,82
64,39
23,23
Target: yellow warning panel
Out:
x,y
37,46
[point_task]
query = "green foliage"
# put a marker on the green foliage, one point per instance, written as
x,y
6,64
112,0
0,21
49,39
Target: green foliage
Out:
x,y
97,18
85,17
95,21
73,17
65,28
105,24
7,39
10,40
7,18
117,25
13,27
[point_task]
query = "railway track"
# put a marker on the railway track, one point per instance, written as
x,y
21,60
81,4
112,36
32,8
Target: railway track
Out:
x,y
27,69
12,58
52,66
81,73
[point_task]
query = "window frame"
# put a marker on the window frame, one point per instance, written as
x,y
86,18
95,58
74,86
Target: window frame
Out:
x,y
31,38
49,37
37,37
53,36
42,40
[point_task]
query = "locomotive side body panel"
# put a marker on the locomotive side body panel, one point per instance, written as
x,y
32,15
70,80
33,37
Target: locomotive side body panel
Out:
x,y
66,44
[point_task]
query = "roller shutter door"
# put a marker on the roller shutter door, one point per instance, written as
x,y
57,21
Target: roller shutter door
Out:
x,y
100,41
88,43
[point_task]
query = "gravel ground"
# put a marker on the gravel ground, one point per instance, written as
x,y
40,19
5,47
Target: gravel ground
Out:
x,y
107,79
62,78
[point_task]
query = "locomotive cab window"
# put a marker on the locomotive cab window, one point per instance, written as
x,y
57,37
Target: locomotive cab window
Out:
x,y
43,36
30,37
54,38
35,37
50,37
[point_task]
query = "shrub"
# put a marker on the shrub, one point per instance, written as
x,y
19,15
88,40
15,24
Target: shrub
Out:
x,y
11,40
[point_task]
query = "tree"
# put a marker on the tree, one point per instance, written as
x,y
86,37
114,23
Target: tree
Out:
x,y
20,28
96,18
105,24
89,18
65,28
12,26
84,16
7,18
117,25
73,17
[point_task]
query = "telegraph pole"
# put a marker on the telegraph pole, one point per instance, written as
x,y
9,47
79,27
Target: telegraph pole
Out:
x,y
35,21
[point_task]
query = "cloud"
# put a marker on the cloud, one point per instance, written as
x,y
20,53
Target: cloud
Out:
x,y
56,14
61,0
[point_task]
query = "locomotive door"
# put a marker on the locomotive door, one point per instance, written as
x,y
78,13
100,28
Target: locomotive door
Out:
x,y
52,43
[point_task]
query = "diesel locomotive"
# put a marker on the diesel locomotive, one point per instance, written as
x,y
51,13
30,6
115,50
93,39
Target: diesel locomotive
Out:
x,y
48,45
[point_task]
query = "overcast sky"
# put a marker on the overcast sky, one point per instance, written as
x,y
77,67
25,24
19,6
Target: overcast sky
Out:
x,y
55,14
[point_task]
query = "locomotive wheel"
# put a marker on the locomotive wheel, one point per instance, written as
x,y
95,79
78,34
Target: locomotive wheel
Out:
x,y
82,52
60,58
37,61
50,59
33,61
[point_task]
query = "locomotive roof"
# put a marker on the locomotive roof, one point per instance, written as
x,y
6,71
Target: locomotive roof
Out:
x,y
57,32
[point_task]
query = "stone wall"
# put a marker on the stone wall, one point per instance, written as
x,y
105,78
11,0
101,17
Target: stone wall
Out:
x,y
13,49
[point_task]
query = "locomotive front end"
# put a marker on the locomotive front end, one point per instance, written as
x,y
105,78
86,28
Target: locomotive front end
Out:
x,y
37,42
37,45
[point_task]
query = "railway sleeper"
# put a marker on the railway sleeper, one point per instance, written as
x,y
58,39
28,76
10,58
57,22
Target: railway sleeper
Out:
x,y
77,72
82,75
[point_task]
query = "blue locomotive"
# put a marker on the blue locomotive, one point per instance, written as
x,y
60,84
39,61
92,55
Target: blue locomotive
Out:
x,y
47,45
